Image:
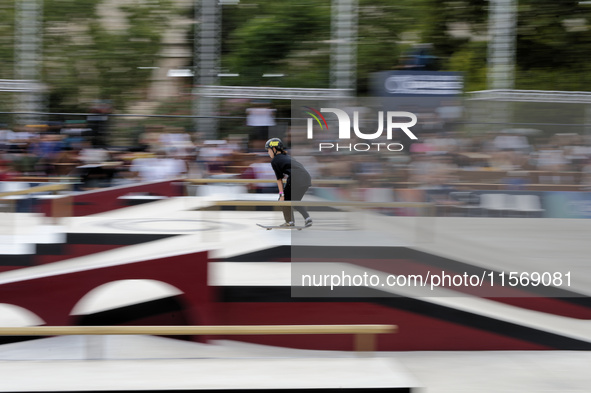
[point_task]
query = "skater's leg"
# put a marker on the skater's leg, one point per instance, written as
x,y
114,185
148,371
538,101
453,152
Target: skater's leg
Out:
x,y
297,193
287,211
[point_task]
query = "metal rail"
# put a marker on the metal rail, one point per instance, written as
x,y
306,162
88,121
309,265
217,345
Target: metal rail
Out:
x,y
364,334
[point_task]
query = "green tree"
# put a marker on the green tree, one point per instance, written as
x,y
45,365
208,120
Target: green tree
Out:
x,y
381,26
293,38
553,39
85,61
279,37
553,45
6,40
6,51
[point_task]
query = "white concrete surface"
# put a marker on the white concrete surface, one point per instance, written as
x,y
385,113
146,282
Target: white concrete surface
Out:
x,y
500,372
155,363
494,243
135,362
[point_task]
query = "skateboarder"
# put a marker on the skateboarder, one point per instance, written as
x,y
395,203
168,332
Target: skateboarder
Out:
x,y
297,183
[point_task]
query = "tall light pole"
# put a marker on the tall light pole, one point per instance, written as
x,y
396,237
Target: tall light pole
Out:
x,y
501,45
343,62
501,57
207,49
206,60
28,56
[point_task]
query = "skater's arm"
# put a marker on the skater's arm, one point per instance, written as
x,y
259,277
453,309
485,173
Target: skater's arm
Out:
x,y
280,187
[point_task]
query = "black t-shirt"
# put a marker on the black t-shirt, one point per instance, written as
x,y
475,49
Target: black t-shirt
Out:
x,y
285,165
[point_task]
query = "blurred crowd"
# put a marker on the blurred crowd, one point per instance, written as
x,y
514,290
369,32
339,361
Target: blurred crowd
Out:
x,y
438,159
446,158
70,152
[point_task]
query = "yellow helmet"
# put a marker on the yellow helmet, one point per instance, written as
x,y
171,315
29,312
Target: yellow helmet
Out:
x,y
274,142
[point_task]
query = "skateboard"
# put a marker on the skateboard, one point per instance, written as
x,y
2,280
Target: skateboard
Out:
x,y
269,227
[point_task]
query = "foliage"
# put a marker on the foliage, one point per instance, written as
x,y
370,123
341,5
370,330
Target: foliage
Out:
x,y
278,38
6,40
552,43
293,38
471,61
6,53
84,61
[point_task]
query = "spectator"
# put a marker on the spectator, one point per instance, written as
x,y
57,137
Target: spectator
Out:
x,y
46,149
260,116
158,168
176,143
5,171
6,138
586,175
212,156
260,169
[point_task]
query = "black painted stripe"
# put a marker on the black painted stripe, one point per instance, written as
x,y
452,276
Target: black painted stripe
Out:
x,y
50,249
267,255
16,260
120,239
121,315
294,390
18,339
115,239
282,294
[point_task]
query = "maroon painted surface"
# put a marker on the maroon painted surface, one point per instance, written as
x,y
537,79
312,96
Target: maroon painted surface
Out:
x,y
416,332
74,251
53,298
8,268
103,200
